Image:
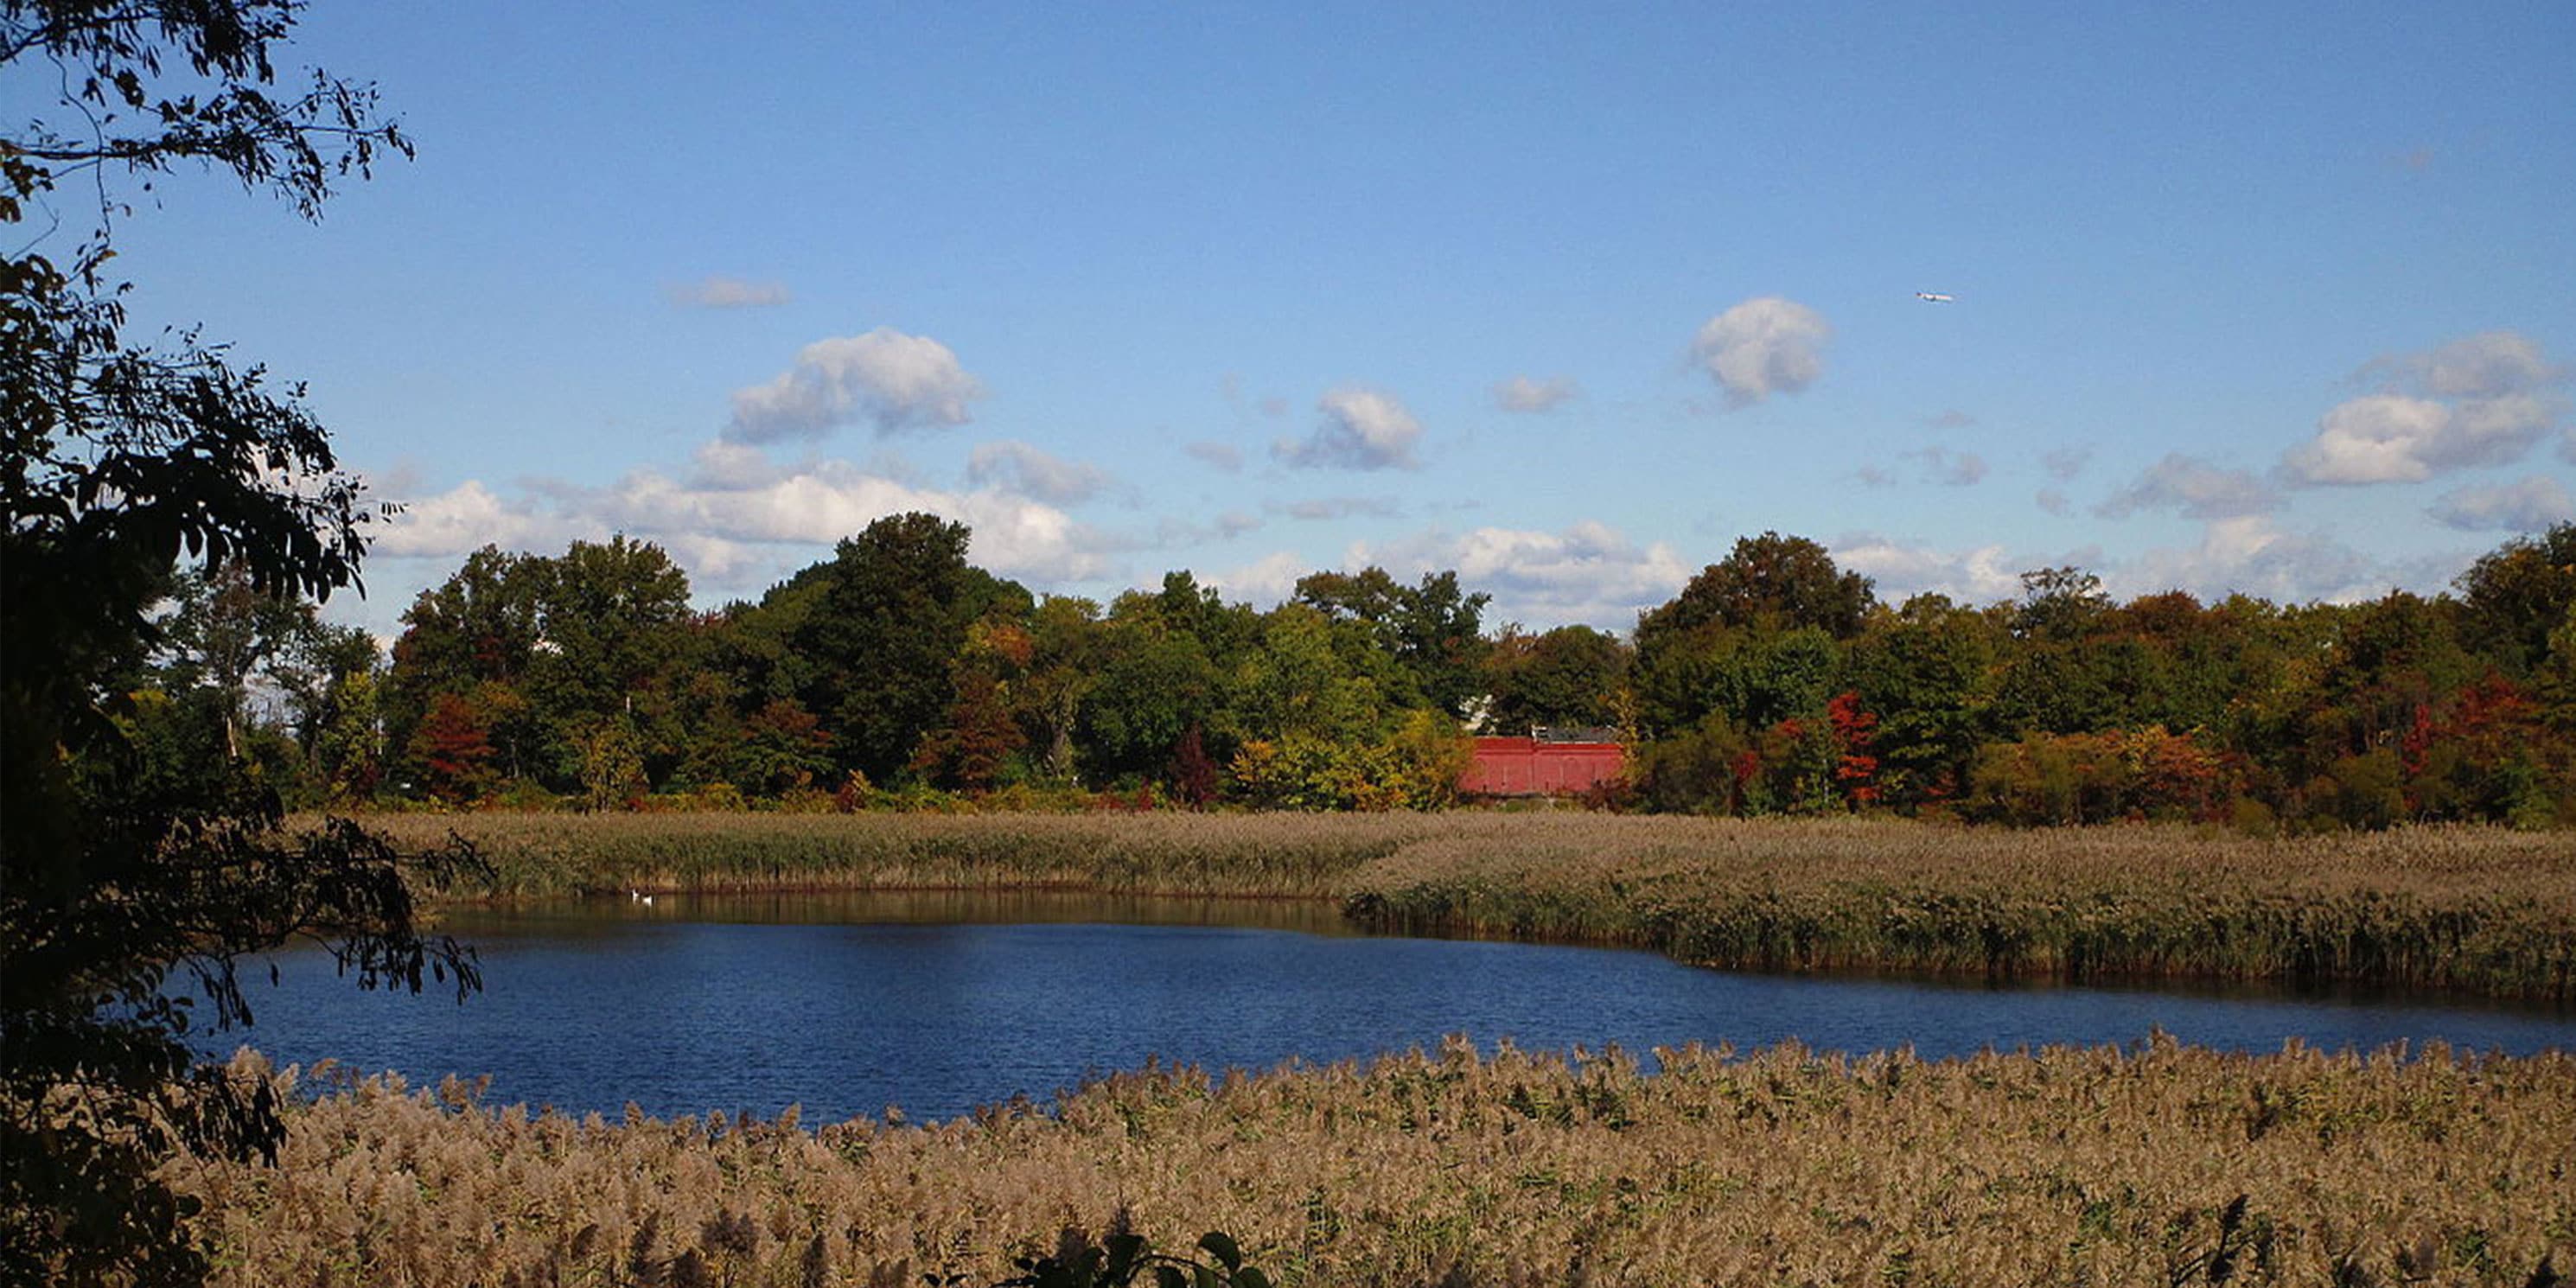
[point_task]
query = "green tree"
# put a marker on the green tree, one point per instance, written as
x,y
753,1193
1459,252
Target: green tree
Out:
x,y
2059,604
332,680
1433,631
1067,647
1571,675
885,631
2517,594
471,635
124,900
1767,583
609,615
1927,671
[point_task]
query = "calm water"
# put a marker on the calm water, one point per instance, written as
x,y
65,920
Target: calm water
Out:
x,y
938,1003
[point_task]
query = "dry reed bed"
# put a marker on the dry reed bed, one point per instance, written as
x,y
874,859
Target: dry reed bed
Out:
x,y
2472,909
1305,856
2066,1166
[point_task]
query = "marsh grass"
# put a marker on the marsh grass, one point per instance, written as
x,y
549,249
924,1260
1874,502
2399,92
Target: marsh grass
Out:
x,y
2480,910
2158,1164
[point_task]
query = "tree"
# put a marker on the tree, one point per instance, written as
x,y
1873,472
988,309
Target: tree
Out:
x,y
473,634
1767,583
2059,604
1568,676
1433,631
123,900
889,623
2516,595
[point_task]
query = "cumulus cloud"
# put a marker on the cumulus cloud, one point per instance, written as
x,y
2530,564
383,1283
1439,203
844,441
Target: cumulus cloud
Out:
x,y
1978,576
1262,583
1223,456
735,528
456,522
2528,506
885,377
1763,346
1521,393
1589,573
2196,488
1018,467
2253,555
2482,400
720,292
1362,429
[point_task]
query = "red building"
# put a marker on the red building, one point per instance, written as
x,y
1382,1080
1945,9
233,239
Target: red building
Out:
x,y
1550,763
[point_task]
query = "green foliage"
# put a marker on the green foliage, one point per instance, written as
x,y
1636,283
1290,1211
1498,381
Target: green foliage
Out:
x,y
1572,675
2514,597
1418,767
1431,630
130,884
896,602
1767,583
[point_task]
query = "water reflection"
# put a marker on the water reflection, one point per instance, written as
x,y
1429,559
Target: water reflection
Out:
x,y
941,1001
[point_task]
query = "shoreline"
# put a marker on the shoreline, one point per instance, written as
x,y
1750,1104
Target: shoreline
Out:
x,y
2439,911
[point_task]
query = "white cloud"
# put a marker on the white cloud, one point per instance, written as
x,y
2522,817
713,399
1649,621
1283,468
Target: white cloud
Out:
x,y
1019,467
457,522
2528,506
1979,576
1589,573
719,464
1223,456
720,292
2052,501
894,380
2251,555
2196,488
1521,393
2490,364
2482,400
1263,583
734,529
1763,346
1362,429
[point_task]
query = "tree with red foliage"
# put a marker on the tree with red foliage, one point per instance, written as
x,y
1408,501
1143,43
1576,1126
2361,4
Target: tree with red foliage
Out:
x,y
454,745
1856,773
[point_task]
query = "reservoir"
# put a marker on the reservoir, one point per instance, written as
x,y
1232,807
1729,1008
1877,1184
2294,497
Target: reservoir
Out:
x,y
936,1003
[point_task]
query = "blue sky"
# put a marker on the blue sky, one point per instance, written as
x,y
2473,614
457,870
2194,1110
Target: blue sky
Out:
x,y
2262,297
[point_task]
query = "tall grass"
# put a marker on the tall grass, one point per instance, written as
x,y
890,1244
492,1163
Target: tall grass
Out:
x,y
2474,909
2158,1164
1214,854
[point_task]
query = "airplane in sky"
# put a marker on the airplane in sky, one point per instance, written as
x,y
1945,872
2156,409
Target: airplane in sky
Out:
x,y
1934,296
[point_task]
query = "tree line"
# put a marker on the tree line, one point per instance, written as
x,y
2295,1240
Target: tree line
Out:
x,y
896,672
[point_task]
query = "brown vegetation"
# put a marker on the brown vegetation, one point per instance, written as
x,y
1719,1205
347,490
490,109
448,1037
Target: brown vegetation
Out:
x,y
2475,909
2163,1165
